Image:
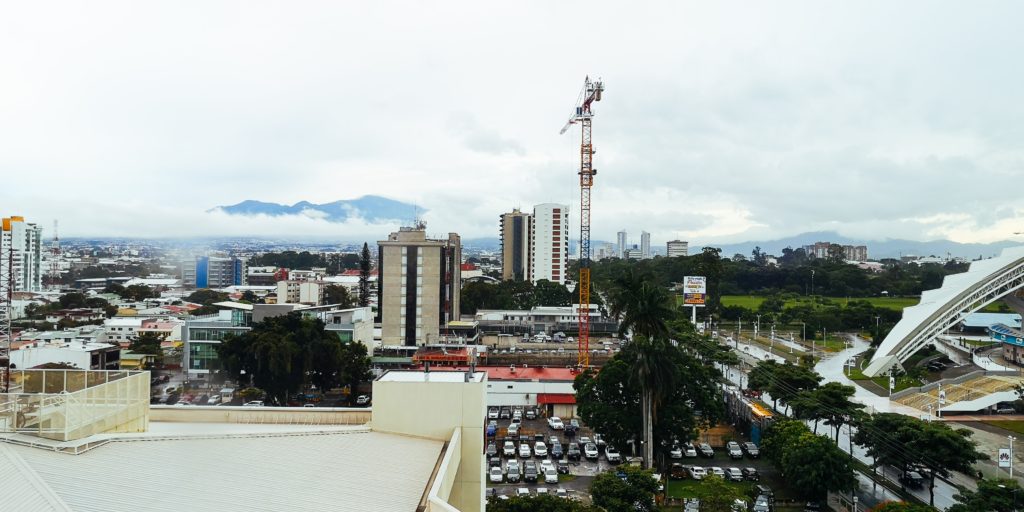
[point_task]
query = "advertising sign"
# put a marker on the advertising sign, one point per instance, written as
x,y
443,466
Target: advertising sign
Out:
x,y
1004,457
695,290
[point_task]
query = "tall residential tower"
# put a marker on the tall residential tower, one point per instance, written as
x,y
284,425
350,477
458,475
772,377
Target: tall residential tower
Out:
x,y
24,240
550,253
516,243
418,286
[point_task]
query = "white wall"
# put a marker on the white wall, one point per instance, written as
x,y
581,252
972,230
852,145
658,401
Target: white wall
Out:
x,y
30,358
502,392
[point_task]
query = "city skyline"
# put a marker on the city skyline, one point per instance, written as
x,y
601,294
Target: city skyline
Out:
x,y
784,121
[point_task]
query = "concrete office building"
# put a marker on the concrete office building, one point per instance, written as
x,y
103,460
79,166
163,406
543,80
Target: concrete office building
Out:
x,y
418,286
645,245
550,253
24,239
516,242
677,248
621,241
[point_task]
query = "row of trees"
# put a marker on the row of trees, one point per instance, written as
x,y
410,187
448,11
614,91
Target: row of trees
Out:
x,y
896,440
828,277
335,263
905,442
291,353
515,295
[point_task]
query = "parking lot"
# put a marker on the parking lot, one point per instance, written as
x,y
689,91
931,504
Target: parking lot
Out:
x,y
580,472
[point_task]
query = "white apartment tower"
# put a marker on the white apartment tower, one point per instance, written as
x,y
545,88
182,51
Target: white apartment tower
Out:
x,y
645,245
25,241
550,250
622,244
677,248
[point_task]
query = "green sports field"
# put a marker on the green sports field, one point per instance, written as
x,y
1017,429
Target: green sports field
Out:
x,y
752,302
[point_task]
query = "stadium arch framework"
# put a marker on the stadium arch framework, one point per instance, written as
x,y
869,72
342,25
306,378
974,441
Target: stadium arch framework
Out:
x,y
985,282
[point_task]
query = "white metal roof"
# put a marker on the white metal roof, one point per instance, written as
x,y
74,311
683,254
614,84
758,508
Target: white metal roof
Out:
x,y
224,471
23,489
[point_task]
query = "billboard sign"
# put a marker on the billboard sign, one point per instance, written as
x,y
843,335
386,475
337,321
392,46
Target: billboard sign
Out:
x,y
695,290
1004,457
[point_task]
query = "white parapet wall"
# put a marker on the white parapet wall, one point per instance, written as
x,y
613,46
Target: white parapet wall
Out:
x,y
433,405
65,405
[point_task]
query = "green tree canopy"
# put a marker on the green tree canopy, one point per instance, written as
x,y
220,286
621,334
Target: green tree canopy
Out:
x,y
717,495
999,495
812,464
286,354
537,503
632,492
337,294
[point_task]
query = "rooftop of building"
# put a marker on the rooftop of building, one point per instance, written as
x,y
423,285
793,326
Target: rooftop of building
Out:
x,y
216,466
430,376
987,319
537,373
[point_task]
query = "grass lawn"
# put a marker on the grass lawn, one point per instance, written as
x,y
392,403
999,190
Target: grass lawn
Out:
x,y
1011,425
901,382
685,488
752,302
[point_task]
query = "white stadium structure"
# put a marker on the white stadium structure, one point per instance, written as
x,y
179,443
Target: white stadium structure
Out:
x,y
986,281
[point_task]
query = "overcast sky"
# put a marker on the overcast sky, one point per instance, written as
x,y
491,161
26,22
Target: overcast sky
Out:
x,y
721,121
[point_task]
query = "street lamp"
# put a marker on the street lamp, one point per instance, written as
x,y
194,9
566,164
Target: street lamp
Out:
x,y
1012,439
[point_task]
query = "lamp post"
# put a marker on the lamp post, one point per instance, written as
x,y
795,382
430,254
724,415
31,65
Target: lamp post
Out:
x,y
1012,439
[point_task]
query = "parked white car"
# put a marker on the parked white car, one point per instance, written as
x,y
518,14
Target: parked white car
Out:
x,y
540,449
698,473
556,423
524,451
496,476
550,476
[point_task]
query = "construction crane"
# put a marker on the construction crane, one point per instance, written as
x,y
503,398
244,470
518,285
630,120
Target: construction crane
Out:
x,y
583,116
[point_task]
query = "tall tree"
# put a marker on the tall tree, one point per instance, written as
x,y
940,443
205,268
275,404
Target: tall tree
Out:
x,y
337,294
641,306
364,276
610,401
654,372
943,450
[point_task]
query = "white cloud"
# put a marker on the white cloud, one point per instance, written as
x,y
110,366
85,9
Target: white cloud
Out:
x,y
721,121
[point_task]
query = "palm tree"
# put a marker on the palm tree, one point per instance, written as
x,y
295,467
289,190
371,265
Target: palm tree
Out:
x,y
641,306
654,371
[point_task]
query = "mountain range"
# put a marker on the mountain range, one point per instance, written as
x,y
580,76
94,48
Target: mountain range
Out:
x,y
368,208
877,249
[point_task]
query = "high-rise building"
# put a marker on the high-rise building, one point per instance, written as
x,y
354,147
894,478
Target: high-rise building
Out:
x,y
516,242
645,245
634,253
550,253
677,248
418,286
850,252
621,241
213,272
21,242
